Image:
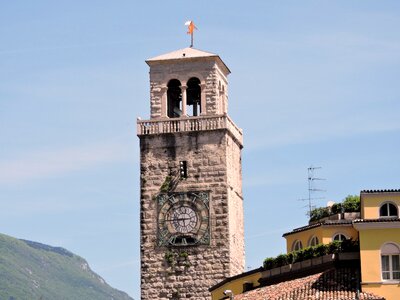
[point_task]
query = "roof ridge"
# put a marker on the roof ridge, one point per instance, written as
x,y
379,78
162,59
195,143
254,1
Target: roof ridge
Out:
x,y
380,191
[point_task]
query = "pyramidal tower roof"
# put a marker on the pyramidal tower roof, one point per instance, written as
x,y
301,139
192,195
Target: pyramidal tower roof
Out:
x,y
183,54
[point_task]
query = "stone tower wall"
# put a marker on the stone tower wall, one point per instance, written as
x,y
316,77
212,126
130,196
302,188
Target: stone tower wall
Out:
x,y
235,196
211,156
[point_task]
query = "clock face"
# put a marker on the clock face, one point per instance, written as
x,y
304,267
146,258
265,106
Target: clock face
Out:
x,y
183,219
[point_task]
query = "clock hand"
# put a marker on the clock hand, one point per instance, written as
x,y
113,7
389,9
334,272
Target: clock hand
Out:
x,y
178,219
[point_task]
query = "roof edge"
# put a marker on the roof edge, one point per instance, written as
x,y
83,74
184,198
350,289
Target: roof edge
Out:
x,y
226,280
380,191
342,222
180,55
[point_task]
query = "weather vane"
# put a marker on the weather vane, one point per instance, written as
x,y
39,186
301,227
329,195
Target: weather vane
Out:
x,y
191,28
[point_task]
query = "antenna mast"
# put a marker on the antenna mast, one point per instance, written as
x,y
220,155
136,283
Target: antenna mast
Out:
x,y
311,187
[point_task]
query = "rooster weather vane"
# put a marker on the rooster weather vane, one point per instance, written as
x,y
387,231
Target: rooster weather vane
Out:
x,y
191,28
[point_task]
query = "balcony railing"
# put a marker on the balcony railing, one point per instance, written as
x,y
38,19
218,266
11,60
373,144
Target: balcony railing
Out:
x,y
185,124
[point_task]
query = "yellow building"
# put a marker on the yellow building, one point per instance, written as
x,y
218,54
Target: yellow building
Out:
x,y
376,227
322,232
379,236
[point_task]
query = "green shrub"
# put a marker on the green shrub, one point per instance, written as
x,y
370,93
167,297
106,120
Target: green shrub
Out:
x,y
319,213
170,258
269,263
311,252
320,250
281,260
165,187
308,253
334,247
351,203
298,255
336,208
290,257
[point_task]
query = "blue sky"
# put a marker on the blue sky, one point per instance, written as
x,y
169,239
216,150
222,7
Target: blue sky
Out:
x,y
312,83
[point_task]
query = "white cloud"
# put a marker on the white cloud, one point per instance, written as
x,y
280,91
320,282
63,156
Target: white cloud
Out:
x,y
55,162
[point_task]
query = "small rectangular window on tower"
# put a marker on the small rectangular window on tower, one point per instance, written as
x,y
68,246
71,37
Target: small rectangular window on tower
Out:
x,y
183,169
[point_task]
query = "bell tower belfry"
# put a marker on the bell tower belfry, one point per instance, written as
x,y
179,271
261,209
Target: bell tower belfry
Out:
x,y
191,203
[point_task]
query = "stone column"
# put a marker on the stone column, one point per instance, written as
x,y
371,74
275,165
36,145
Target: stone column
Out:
x,y
223,103
164,108
183,89
203,99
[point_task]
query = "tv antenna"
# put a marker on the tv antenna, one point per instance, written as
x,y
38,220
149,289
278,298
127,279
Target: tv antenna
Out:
x,y
311,187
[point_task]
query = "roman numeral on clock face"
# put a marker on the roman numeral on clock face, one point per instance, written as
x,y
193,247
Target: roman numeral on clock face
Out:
x,y
164,233
172,240
194,197
172,199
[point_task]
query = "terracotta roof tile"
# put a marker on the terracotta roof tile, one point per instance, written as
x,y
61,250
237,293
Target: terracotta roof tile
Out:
x,y
303,228
380,191
381,220
323,223
333,284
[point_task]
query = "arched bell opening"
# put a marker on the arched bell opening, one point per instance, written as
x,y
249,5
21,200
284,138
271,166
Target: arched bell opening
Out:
x,y
174,99
193,97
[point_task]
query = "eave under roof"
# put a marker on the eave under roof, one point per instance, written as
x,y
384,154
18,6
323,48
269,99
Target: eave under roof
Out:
x,y
186,54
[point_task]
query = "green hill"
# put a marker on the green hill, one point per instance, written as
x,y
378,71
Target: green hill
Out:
x,y
33,271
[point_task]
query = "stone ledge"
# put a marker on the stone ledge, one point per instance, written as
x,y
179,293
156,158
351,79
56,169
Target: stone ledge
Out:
x,y
189,124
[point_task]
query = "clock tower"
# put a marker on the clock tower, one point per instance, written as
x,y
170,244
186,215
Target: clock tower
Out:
x,y
191,202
